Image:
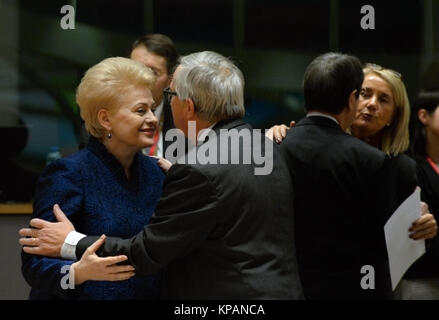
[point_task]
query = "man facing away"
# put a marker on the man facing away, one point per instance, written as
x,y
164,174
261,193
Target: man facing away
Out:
x,y
345,190
220,230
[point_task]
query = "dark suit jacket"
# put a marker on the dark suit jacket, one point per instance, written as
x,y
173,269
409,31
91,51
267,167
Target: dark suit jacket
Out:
x,y
345,190
428,264
221,231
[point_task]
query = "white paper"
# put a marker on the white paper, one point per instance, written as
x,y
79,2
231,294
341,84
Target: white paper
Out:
x,y
402,250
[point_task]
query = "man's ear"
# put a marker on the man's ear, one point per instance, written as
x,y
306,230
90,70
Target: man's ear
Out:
x,y
422,116
191,113
104,119
353,101
168,81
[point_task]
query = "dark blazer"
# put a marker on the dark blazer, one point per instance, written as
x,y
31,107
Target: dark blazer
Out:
x,y
428,264
220,231
92,188
345,190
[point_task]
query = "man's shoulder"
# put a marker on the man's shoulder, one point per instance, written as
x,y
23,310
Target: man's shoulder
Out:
x,y
331,143
361,146
403,163
405,160
188,172
181,177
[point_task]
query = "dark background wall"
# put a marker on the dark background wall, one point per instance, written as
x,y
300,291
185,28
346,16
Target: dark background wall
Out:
x,y
12,284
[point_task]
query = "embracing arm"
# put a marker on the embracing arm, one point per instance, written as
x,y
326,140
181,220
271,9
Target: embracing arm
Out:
x,y
402,171
184,217
59,183
279,132
45,239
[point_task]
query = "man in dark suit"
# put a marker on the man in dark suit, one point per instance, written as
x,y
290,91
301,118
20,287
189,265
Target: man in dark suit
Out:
x,y
345,190
220,230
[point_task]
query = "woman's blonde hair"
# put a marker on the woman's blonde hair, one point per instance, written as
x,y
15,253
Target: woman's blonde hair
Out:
x,y
395,138
104,85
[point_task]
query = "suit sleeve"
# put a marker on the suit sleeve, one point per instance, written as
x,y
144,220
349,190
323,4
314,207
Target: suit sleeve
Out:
x,y
402,180
185,216
60,183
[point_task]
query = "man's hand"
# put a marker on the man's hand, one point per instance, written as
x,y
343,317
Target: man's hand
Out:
x,y
278,133
92,267
425,227
163,163
46,238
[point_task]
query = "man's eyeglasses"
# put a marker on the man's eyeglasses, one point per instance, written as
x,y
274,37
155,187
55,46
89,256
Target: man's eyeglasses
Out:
x,y
377,67
167,94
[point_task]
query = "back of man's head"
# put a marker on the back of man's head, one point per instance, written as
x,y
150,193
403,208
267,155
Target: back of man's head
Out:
x,y
214,83
160,45
329,81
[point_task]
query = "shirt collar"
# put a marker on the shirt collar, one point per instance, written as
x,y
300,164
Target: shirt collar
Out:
x,y
158,111
204,133
319,114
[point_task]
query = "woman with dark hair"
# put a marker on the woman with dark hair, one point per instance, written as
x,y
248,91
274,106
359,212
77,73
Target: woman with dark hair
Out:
x,y
425,144
422,279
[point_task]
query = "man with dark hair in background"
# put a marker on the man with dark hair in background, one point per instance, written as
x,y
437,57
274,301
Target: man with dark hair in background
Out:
x,y
345,190
157,52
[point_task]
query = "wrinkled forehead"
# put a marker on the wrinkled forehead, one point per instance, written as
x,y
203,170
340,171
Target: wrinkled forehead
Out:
x,y
373,81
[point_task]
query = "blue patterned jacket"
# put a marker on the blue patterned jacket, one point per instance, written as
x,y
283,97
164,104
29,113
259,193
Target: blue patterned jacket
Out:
x,y
92,189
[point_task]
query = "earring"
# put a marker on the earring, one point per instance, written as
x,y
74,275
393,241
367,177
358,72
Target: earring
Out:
x,y
109,135
388,125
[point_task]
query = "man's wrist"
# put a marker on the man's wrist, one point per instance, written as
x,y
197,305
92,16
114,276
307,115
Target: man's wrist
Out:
x,y
68,249
76,274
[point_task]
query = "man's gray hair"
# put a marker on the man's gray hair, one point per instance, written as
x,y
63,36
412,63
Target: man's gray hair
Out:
x,y
214,83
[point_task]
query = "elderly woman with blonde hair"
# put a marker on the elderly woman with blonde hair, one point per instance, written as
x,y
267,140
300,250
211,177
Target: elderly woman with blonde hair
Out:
x,y
382,120
383,113
108,188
